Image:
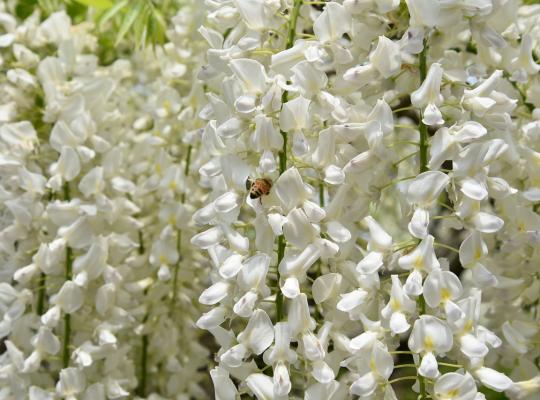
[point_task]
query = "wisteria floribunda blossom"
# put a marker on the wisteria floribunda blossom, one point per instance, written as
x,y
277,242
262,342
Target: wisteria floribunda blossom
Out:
x,y
275,199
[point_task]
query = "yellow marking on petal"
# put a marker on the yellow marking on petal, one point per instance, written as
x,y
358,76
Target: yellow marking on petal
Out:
x,y
167,105
468,326
162,259
453,393
418,262
395,304
428,343
477,254
445,294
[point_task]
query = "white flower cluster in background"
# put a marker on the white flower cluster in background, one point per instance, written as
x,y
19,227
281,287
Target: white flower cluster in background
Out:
x,y
286,199
96,209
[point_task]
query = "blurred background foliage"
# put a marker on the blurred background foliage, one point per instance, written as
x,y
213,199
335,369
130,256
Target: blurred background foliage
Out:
x,y
118,23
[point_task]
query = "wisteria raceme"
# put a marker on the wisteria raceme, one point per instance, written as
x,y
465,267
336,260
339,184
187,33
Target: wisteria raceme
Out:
x,y
271,199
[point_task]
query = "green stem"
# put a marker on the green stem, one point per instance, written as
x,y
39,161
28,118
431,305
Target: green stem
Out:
x,y
396,181
176,268
424,146
404,366
403,378
68,276
141,389
279,295
445,246
401,352
404,158
40,308
179,235
283,155
450,365
141,243
292,24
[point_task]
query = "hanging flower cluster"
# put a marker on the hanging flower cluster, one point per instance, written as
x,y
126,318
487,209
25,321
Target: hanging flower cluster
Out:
x,y
285,199
97,289
402,218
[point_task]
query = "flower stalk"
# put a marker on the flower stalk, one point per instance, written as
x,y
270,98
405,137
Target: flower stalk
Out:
x,y
283,154
423,153
67,276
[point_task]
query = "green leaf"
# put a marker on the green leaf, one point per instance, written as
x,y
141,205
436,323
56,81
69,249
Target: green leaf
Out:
x,y
156,27
25,8
111,12
100,4
129,19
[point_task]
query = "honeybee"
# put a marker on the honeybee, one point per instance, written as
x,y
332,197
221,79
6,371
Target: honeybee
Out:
x,y
258,187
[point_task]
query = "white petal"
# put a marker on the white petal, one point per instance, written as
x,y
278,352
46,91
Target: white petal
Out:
x,y
208,238
333,175
214,294
418,227
351,300
383,361
487,223
313,212
470,130
386,57
338,232
294,115
244,306
429,91
212,318
364,386
251,73
291,288
282,381
261,385
472,347
332,23
379,239
426,188
364,340
483,276
322,372
70,298
231,266
259,332
429,367
371,263
413,284
234,357
473,188
69,165
325,287
223,385
398,323
432,115
493,379
290,189
72,381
